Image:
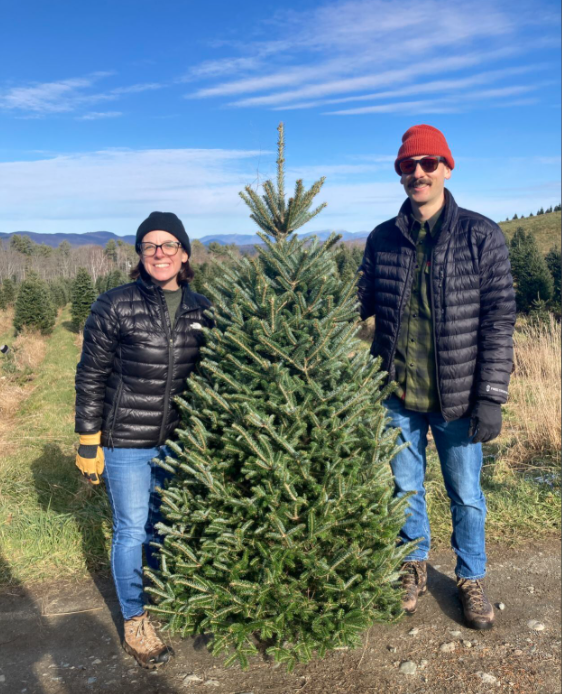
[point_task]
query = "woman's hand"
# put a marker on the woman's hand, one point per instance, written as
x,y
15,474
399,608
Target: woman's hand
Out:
x,y
90,459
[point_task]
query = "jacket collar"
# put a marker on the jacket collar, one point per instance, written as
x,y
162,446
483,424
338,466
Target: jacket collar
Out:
x,y
151,292
448,219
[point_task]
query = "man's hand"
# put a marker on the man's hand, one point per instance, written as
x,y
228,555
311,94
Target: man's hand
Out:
x,y
486,421
90,460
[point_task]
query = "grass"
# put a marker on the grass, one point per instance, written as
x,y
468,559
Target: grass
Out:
x,y
532,435
53,525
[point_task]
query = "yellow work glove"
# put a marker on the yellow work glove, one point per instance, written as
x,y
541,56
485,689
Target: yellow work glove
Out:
x,y
90,460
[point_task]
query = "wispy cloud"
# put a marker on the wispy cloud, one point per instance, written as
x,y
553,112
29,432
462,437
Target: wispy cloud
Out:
x,y
48,97
65,96
222,68
435,86
444,105
97,115
374,44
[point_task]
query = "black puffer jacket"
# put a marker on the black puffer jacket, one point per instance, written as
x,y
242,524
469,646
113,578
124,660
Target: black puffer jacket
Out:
x,y
473,303
133,364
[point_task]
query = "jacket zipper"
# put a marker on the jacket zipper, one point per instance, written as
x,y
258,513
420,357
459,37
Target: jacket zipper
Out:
x,y
170,340
391,360
434,321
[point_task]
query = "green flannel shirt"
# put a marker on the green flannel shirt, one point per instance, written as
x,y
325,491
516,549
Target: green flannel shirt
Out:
x,y
414,361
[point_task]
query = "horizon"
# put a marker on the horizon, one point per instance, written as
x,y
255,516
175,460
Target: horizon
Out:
x,y
179,110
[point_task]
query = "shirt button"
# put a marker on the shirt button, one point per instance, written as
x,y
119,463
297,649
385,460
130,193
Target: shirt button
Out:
x,y
411,365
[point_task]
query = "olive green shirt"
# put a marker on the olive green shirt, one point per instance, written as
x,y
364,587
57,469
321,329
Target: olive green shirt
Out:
x,y
414,361
173,301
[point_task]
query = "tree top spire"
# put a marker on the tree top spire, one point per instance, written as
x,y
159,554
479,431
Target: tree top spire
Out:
x,y
271,212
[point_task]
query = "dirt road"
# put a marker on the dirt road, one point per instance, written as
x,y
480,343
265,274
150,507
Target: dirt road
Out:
x,y
63,640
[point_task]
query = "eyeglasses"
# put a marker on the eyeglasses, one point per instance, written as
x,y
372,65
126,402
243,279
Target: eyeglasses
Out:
x,y
428,164
169,248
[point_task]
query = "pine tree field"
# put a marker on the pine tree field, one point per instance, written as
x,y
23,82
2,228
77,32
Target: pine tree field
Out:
x,y
280,530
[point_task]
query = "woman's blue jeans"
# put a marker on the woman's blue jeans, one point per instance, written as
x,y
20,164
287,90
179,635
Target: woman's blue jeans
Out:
x,y
461,465
131,479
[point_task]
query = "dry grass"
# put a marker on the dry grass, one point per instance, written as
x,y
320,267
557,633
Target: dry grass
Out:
x,y
29,350
26,354
532,430
6,321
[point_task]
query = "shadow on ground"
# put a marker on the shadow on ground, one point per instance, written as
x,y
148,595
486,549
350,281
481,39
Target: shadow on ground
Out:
x,y
60,489
38,639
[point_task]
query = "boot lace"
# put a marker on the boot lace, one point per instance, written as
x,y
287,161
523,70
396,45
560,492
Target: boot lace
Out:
x,y
475,596
412,576
145,633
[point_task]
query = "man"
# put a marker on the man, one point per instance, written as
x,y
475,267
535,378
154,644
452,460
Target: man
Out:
x,y
437,279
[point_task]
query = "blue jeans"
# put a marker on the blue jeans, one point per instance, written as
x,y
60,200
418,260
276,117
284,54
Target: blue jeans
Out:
x,y
131,480
461,465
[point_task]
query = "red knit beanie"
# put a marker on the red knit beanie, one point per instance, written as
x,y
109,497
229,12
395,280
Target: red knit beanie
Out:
x,y
424,139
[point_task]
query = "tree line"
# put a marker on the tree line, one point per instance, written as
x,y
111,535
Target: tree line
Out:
x,y
549,210
38,280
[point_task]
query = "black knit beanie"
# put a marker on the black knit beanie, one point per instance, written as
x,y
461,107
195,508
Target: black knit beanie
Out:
x,y
163,221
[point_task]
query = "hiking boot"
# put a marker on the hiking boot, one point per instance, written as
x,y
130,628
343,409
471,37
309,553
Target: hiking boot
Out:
x,y
478,612
142,642
414,584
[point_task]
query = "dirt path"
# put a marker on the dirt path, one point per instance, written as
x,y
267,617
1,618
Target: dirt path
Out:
x,y
61,639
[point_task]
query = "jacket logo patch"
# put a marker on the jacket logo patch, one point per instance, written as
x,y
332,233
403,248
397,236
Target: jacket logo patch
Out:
x,y
495,390
196,326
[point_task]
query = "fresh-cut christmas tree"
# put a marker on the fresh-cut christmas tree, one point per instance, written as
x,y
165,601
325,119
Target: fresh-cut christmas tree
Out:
x,y
280,530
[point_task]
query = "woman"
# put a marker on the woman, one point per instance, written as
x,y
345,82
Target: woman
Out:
x,y
141,342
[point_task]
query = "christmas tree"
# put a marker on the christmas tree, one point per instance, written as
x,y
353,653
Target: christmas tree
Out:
x,y
9,292
280,530
82,297
34,309
531,274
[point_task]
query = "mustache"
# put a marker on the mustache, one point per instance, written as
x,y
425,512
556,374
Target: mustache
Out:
x,y
419,182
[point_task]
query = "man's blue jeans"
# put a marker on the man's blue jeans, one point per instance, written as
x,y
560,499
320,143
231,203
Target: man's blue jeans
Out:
x,y
131,480
461,465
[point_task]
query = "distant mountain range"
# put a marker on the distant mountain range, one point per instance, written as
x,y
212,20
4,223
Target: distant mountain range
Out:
x,y
100,238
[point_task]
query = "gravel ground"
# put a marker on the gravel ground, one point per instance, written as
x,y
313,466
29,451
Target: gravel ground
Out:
x,y
63,639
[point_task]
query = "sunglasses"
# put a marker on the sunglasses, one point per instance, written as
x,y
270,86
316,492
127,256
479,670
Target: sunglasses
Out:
x,y
428,164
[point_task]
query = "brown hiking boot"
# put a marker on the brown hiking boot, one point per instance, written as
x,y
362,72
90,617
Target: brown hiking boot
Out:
x,y
478,612
142,642
414,583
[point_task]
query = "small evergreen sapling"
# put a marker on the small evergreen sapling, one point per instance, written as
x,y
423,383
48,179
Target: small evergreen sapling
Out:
x,y
33,308
82,297
9,292
532,278
280,530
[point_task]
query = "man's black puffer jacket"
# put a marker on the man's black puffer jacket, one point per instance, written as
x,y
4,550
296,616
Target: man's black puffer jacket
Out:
x,y
473,303
133,364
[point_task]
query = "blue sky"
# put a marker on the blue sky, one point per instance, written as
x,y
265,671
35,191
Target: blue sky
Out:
x,y
112,109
